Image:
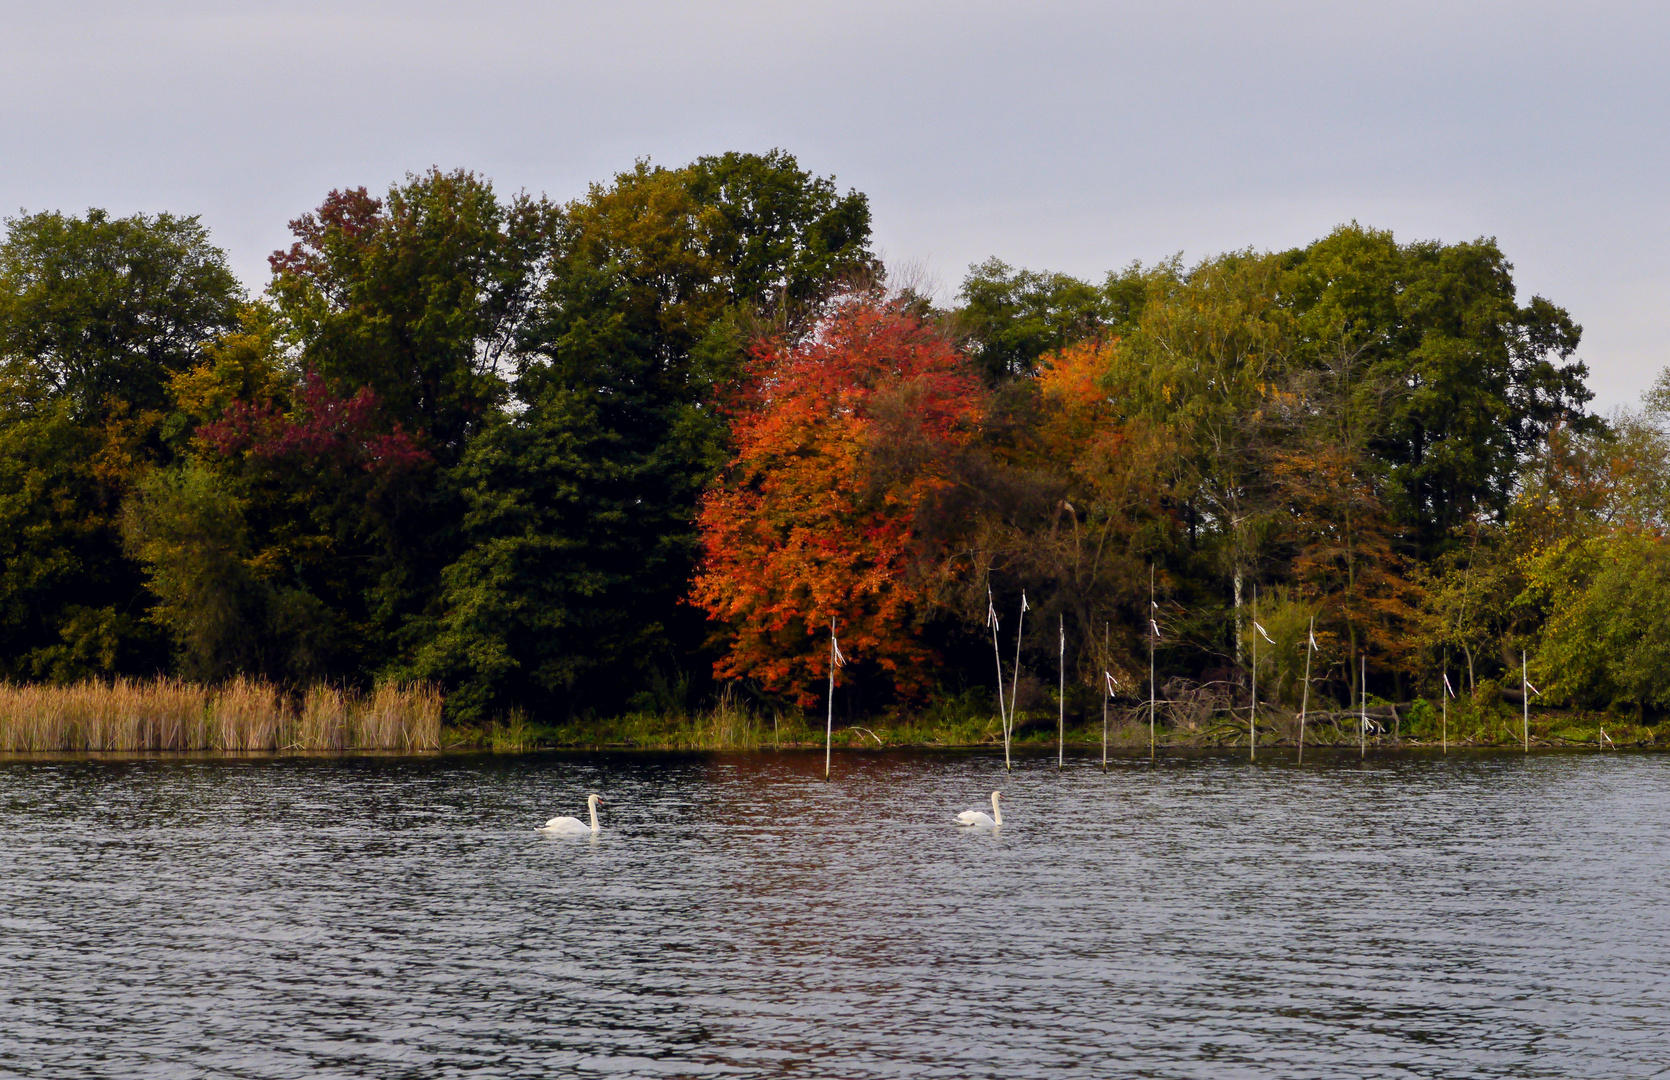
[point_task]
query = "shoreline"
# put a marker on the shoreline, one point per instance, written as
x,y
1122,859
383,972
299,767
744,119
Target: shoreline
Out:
x,y
1078,750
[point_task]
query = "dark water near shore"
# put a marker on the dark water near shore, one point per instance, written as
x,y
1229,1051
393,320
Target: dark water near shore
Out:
x,y
1479,916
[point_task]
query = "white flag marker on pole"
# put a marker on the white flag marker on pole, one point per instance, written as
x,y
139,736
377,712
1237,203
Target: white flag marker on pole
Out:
x,y
1525,693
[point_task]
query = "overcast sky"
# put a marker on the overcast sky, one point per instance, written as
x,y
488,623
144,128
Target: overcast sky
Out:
x,y
1060,136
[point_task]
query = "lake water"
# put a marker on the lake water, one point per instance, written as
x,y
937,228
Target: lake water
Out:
x,y
1476,916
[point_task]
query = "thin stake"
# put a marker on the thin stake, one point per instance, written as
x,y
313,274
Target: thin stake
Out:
x,y
1362,726
1444,697
1525,692
1153,632
1107,698
1015,686
1252,709
829,722
1002,706
1304,699
1061,696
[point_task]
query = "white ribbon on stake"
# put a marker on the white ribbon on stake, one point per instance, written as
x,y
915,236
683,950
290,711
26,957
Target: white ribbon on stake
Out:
x,y
1447,685
1260,629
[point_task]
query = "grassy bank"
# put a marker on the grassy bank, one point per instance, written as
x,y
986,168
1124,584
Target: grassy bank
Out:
x,y
249,715
725,728
243,714
1414,724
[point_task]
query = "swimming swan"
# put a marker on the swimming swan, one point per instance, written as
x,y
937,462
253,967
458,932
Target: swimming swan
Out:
x,y
574,826
979,819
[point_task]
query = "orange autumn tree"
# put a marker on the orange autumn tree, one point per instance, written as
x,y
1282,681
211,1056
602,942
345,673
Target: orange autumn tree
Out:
x,y
842,442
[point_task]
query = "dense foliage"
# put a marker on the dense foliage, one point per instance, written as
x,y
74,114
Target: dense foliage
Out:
x,y
605,455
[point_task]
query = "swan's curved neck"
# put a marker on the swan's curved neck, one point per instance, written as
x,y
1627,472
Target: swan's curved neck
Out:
x,y
997,815
591,804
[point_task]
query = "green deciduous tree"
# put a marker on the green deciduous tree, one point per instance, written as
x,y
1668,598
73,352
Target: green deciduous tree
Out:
x,y
421,296
579,537
1480,380
99,310
96,315
1606,642
1013,317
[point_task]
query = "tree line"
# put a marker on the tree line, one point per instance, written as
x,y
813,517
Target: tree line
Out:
x,y
611,454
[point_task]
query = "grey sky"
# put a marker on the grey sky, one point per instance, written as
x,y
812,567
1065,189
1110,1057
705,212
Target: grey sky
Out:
x,y
1064,136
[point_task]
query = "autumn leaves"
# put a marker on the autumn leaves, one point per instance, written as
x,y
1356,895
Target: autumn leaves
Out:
x,y
843,442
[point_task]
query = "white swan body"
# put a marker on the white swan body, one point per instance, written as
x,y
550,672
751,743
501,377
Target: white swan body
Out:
x,y
979,819
569,826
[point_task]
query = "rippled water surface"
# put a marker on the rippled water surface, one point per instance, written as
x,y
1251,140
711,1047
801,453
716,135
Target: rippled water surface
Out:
x,y
1461,917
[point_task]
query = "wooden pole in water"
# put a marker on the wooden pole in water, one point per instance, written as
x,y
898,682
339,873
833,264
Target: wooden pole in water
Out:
x,y
1015,686
1107,677
1362,723
1153,632
1061,696
1444,697
829,721
1525,692
1252,707
1304,699
1002,706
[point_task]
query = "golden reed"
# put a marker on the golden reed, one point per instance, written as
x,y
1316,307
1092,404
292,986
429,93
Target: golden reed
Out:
x,y
243,714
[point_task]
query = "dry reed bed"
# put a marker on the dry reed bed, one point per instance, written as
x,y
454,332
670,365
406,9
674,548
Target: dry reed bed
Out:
x,y
243,714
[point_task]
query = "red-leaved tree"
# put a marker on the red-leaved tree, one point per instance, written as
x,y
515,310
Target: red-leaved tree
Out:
x,y
348,433
842,442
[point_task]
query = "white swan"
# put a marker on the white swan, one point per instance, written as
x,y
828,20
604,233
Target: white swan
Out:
x,y
574,826
980,819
